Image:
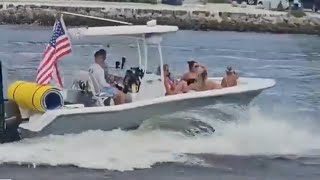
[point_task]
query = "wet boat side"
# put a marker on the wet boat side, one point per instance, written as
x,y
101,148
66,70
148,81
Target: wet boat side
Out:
x,y
131,118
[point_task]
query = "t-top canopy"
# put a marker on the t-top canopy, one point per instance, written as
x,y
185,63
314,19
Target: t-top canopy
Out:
x,y
122,30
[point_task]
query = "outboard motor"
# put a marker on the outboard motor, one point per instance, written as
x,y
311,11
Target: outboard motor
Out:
x,y
8,130
138,72
128,80
132,81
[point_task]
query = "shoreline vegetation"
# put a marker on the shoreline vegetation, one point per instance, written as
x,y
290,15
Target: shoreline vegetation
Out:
x,y
221,17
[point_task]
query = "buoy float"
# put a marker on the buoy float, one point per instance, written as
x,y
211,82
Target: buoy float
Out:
x,y
35,97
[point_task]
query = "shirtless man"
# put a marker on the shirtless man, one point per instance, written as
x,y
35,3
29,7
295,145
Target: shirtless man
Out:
x,y
230,79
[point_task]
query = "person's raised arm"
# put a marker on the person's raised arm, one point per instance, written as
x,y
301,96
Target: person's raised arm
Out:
x,y
204,67
168,89
223,82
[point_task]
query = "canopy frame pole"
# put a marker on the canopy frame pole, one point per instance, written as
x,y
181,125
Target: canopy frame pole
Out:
x,y
139,52
145,53
161,67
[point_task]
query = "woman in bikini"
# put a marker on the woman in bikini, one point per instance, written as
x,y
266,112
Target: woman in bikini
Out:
x,y
202,82
193,73
171,86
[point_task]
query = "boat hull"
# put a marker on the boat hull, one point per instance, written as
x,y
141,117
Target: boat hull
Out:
x,y
132,118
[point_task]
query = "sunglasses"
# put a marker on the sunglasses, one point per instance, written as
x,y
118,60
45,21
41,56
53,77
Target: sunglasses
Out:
x,y
196,66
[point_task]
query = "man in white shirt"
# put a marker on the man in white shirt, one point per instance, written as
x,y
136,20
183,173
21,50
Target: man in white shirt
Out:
x,y
98,72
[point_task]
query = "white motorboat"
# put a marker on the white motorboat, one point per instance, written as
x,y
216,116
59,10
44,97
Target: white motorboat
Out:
x,y
85,109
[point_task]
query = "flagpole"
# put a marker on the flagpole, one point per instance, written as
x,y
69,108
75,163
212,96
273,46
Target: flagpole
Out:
x,y
56,71
64,27
56,19
59,16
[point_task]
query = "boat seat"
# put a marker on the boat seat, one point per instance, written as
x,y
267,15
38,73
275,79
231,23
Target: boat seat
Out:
x,y
102,99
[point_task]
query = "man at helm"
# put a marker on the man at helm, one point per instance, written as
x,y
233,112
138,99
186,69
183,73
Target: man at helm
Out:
x,y
98,72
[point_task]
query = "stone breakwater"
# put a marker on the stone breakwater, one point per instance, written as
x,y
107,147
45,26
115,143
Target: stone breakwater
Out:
x,y
196,20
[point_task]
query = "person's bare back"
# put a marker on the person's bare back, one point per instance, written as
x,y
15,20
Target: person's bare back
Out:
x,y
212,85
229,81
231,78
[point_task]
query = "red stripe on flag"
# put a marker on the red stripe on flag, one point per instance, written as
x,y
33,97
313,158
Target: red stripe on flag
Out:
x,y
63,47
47,64
44,69
64,53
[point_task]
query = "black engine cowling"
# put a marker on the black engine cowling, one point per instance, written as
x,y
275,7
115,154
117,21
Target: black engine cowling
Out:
x,y
132,76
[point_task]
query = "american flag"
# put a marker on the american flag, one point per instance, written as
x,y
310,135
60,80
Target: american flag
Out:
x,y
58,47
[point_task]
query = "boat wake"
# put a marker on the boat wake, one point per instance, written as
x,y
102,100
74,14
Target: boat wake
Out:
x,y
238,131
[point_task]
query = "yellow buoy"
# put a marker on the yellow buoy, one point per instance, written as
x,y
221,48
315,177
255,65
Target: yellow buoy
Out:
x,y
32,96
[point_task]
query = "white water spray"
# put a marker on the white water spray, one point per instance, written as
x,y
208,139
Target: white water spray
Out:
x,y
127,150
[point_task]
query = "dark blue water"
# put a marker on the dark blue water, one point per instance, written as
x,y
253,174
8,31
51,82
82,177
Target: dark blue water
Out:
x,y
277,137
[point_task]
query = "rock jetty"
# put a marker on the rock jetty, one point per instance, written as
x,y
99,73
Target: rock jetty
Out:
x,y
185,19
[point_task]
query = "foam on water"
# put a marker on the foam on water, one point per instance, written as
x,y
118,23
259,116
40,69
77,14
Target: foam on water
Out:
x,y
126,150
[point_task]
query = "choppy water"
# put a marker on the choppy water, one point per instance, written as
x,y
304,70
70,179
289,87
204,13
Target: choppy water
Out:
x,y
277,137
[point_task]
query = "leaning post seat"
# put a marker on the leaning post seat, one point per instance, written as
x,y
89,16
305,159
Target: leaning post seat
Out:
x,y
85,86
